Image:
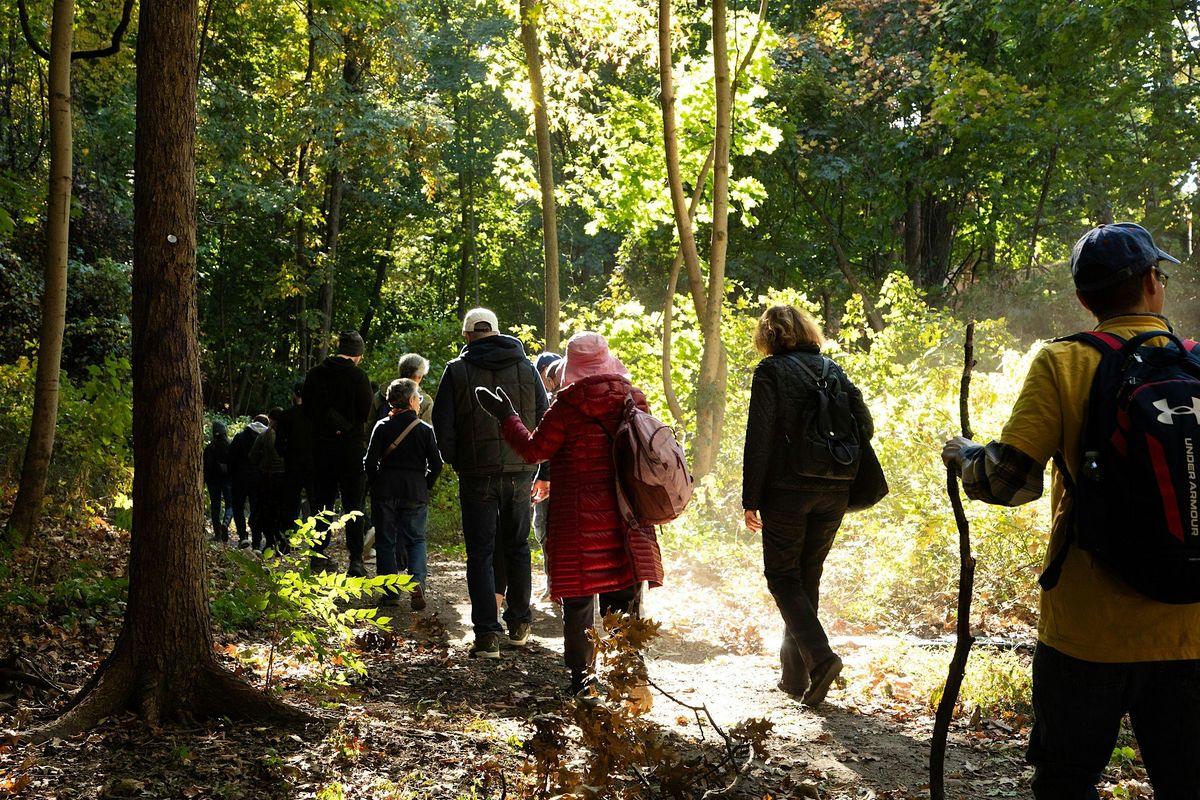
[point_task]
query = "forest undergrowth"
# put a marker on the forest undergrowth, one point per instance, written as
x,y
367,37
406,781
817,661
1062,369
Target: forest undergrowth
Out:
x,y
423,721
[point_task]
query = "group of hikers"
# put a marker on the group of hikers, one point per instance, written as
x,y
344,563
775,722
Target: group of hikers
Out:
x,y
1119,627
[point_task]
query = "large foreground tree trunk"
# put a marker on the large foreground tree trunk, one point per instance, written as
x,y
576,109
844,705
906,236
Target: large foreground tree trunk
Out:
x,y
530,10
27,511
162,666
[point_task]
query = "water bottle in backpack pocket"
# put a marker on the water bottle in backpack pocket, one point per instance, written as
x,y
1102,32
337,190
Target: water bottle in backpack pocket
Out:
x,y
1134,502
827,444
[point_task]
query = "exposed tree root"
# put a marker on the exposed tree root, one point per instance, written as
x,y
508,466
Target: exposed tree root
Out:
x,y
214,692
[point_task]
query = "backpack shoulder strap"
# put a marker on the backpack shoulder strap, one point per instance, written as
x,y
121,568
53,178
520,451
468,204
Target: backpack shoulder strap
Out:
x,y
1053,571
1100,340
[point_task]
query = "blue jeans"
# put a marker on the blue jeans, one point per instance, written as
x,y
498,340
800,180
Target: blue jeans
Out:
x,y
495,517
795,544
218,493
400,543
1078,706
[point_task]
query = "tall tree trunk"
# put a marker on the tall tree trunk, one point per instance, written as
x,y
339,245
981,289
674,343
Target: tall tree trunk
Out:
x,y
162,666
530,12
381,266
710,389
1041,207
671,144
27,511
333,229
912,231
683,220
466,256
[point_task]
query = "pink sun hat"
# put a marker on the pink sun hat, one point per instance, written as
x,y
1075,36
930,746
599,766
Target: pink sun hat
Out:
x,y
587,355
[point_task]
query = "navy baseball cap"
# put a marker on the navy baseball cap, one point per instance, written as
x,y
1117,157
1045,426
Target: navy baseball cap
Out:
x,y
1108,254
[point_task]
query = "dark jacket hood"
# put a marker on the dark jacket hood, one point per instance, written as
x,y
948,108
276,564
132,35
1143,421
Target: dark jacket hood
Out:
x,y
596,395
219,431
494,352
338,362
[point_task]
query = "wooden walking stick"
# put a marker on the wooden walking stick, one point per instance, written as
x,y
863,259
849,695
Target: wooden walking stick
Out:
x,y
966,584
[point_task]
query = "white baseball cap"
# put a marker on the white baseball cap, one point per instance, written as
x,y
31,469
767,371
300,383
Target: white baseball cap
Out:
x,y
477,317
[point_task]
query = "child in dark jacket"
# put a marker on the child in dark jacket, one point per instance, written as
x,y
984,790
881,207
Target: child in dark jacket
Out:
x,y
402,463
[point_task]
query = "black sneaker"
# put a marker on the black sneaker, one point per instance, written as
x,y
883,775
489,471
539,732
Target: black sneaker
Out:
x,y
519,633
487,645
356,569
322,564
390,601
823,676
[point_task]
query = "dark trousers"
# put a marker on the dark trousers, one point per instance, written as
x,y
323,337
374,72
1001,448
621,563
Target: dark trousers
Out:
x,y
1078,706
245,489
339,472
495,517
272,519
579,617
795,544
218,493
296,483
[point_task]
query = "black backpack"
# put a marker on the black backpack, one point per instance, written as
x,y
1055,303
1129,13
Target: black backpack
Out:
x,y
1134,503
827,445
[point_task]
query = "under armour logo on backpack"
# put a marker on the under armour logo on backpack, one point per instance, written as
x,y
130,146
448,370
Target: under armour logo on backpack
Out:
x,y
1168,413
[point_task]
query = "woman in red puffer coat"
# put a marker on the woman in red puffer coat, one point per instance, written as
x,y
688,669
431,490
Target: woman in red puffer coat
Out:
x,y
588,549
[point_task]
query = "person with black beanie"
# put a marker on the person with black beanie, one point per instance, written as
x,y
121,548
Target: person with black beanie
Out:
x,y
337,402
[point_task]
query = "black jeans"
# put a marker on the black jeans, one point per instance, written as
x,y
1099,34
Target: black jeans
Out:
x,y
495,517
1078,706
339,471
245,488
579,616
295,484
219,493
795,544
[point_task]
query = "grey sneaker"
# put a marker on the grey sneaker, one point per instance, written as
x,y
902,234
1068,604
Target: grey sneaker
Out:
x,y
519,633
416,598
487,645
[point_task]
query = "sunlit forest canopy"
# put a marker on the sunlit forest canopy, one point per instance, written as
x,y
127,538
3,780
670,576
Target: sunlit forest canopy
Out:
x,y
376,160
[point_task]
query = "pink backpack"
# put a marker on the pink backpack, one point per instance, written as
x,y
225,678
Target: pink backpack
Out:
x,y
654,484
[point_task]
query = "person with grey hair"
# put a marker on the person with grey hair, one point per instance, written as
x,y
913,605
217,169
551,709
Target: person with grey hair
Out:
x,y
402,463
414,367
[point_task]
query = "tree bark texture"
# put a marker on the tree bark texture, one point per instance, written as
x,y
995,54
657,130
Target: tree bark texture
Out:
x,y
27,510
162,666
530,12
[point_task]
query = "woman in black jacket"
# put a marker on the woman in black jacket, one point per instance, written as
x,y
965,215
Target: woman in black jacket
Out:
x,y
798,514
402,463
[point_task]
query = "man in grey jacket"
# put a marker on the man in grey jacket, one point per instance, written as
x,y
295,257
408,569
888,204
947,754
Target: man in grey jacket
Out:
x,y
494,482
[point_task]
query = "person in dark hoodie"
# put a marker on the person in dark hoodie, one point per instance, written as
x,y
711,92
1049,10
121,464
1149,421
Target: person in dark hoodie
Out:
x,y
494,482
293,441
244,474
217,480
337,401
270,486
402,463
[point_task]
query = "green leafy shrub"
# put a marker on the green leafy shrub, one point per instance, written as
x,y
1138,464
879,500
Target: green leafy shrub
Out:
x,y
304,612
93,445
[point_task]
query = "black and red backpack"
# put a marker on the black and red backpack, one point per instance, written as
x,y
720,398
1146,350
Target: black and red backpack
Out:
x,y
1134,503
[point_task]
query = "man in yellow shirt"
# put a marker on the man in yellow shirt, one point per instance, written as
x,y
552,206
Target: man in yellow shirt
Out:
x,y
1104,649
